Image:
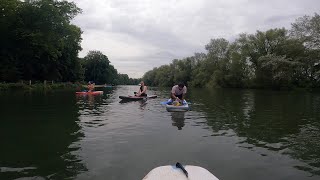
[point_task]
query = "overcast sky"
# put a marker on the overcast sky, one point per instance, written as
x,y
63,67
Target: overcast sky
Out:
x,y
138,35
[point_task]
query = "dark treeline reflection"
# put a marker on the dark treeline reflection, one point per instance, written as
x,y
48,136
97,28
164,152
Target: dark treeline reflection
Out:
x,y
40,137
286,122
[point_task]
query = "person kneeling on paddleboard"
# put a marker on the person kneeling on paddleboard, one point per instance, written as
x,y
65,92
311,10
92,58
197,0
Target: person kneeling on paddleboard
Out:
x,y
178,92
90,86
142,90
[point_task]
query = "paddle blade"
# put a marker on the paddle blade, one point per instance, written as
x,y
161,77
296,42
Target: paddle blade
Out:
x,y
164,102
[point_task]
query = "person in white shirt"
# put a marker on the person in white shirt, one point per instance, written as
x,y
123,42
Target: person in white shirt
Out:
x,y
178,92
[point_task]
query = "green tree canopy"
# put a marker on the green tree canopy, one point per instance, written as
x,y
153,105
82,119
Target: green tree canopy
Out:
x,y
38,42
276,58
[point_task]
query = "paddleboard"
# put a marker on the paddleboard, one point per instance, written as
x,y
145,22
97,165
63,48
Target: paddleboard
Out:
x,y
136,98
90,93
174,173
181,108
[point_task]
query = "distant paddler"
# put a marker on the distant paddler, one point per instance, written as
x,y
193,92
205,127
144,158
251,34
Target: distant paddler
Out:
x,y
91,85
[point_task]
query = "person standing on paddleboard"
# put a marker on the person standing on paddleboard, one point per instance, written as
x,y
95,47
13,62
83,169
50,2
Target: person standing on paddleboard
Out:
x,y
178,92
142,90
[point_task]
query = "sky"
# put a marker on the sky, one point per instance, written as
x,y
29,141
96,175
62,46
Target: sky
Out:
x,y
138,35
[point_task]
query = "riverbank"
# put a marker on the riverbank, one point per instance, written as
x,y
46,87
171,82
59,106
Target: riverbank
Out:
x,y
50,86
40,86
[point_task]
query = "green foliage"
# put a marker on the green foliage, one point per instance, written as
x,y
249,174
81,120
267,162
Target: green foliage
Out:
x,y
271,59
278,71
307,29
97,67
123,79
38,42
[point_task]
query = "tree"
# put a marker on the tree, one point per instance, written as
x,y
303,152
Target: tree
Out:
x,y
279,70
97,67
38,42
307,29
266,59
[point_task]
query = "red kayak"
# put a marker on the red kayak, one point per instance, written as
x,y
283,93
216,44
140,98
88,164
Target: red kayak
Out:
x,y
90,93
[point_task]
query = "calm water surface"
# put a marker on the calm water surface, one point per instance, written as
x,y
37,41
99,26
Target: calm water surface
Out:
x,y
235,134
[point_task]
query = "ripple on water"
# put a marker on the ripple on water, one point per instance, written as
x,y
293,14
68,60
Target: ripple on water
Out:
x,y
269,134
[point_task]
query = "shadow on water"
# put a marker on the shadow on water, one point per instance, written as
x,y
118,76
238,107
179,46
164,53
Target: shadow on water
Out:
x,y
285,122
178,119
40,137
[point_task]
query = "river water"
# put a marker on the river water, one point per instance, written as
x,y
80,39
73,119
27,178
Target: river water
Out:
x,y
235,134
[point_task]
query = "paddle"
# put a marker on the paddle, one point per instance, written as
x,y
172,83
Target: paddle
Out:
x,y
164,102
178,165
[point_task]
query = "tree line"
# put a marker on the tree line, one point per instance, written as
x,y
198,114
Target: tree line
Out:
x,y
276,58
98,69
38,42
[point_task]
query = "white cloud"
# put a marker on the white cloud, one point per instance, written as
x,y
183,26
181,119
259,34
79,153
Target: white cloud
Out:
x,y
139,35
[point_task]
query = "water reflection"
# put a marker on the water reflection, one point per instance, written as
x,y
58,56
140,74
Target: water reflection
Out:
x,y
67,137
42,140
283,122
89,101
142,103
178,119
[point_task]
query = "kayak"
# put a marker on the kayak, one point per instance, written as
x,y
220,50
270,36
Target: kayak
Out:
x,y
182,108
136,98
90,93
176,173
